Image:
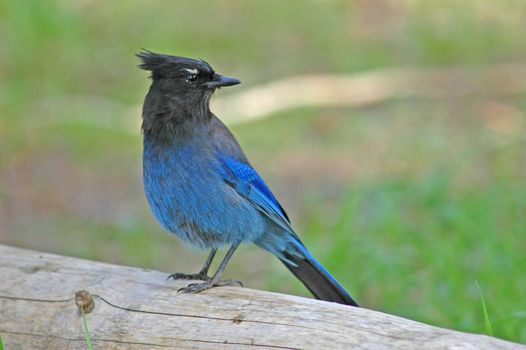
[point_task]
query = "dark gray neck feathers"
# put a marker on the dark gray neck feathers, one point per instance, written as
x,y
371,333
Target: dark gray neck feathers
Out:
x,y
166,117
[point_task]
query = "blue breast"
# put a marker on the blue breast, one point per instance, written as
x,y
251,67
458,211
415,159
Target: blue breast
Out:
x,y
189,197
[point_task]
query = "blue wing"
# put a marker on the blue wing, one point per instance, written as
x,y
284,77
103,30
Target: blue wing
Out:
x,y
247,182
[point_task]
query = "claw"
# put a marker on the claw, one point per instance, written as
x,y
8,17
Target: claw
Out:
x,y
189,276
229,283
195,288
199,287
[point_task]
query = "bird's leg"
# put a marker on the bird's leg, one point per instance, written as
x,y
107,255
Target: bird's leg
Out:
x,y
201,275
216,279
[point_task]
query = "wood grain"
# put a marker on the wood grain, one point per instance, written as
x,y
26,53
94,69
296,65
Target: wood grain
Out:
x,y
139,309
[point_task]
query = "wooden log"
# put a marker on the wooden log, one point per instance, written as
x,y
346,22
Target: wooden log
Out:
x,y
136,308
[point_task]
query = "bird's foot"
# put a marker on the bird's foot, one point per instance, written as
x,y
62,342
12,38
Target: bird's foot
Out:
x,y
190,276
199,287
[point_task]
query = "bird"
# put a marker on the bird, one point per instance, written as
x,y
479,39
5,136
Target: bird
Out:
x,y
200,185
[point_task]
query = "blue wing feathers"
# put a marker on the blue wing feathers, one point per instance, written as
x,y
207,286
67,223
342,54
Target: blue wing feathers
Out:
x,y
251,186
282,242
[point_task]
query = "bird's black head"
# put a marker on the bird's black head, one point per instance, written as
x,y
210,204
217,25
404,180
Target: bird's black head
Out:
x,y
181,87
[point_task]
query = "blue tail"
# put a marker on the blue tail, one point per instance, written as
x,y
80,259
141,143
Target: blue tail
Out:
x,y
293,254
317,279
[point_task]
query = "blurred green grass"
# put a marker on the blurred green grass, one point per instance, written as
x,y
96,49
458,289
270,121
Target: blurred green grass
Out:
x,y
408,203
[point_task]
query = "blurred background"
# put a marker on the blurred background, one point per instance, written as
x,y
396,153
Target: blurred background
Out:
x,y
403,169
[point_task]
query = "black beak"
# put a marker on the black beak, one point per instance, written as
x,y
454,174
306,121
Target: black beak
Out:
x,y
220,80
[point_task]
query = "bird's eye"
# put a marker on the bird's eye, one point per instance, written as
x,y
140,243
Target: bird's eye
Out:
x,y
191,78
190,75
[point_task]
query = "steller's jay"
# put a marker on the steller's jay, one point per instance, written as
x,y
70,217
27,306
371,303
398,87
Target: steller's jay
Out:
x,y
201,186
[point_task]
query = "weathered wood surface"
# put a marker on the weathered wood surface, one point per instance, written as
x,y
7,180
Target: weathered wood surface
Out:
x,y
139,309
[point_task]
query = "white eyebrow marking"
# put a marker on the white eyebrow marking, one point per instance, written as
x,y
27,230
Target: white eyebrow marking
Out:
x,y
190,70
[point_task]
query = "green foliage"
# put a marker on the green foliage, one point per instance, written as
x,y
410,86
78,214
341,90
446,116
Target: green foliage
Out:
x,y
415,253
487,321
85,329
